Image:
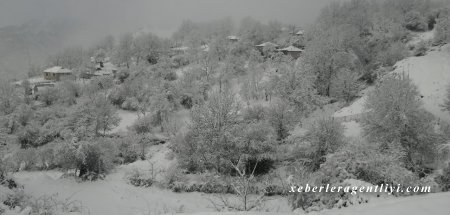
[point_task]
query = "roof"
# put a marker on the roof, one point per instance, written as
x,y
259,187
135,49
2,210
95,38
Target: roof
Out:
x,y
34,80
58,69
102,72
232,37
181,48
292,49
107,69
299,32
109,66
204,48
267,44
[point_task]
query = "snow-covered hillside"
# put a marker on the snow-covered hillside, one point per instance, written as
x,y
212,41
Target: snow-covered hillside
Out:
x,y
431,74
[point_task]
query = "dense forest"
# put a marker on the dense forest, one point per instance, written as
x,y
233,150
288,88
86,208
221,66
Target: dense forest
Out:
x,y
240,122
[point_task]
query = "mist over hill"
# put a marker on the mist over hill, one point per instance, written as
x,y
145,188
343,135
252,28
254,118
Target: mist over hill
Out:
x,y
22,46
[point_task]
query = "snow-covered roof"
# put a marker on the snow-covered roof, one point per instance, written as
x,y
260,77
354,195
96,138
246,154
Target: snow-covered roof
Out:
x,y
267,44
204,48
291,49
232,37
109,66
34,80
58,69
102,72
181,48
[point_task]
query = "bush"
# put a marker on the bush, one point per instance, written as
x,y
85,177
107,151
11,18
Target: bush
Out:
x,y
421,48
91,159
255,113
127,150
26,159
138,179
397,118
323,138
28,136
392,54
186,101
122,75
443,180
130,104
442,30
117,95
143,125
414,21
179,61
170,76
49,96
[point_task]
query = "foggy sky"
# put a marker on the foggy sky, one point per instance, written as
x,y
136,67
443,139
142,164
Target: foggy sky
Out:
x,y
160,16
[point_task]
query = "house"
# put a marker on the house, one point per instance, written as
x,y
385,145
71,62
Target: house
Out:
x,y
204,48
263,46
233,38
56,73
292,51
106,68
35,84
299,33
180,49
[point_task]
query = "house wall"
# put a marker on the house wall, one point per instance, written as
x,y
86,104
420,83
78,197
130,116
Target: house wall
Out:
x,y
55,76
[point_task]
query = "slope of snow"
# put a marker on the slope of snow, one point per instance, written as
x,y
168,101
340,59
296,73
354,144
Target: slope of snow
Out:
x,y
356,107
431,74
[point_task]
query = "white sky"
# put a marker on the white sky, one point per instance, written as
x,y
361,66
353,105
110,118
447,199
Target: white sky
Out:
x,y
160,16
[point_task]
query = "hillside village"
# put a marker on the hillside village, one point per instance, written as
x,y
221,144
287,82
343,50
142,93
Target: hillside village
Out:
x,y
225,119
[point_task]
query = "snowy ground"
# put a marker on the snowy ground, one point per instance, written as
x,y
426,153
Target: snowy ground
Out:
x,y
127,118
435,204
114,196
431,74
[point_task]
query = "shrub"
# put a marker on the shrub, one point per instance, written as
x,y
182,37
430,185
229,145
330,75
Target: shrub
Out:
x,y
179,61
46,156
130,104
323,138
392,54
186,101
91,159
28,136
16,199
414,21
26,159
24,115
143,125
397,118
421,48
49,95
138,179
170,76
117,95
442,30
127,150
444,179
345,85
65,155
255,113
282,118
122,75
